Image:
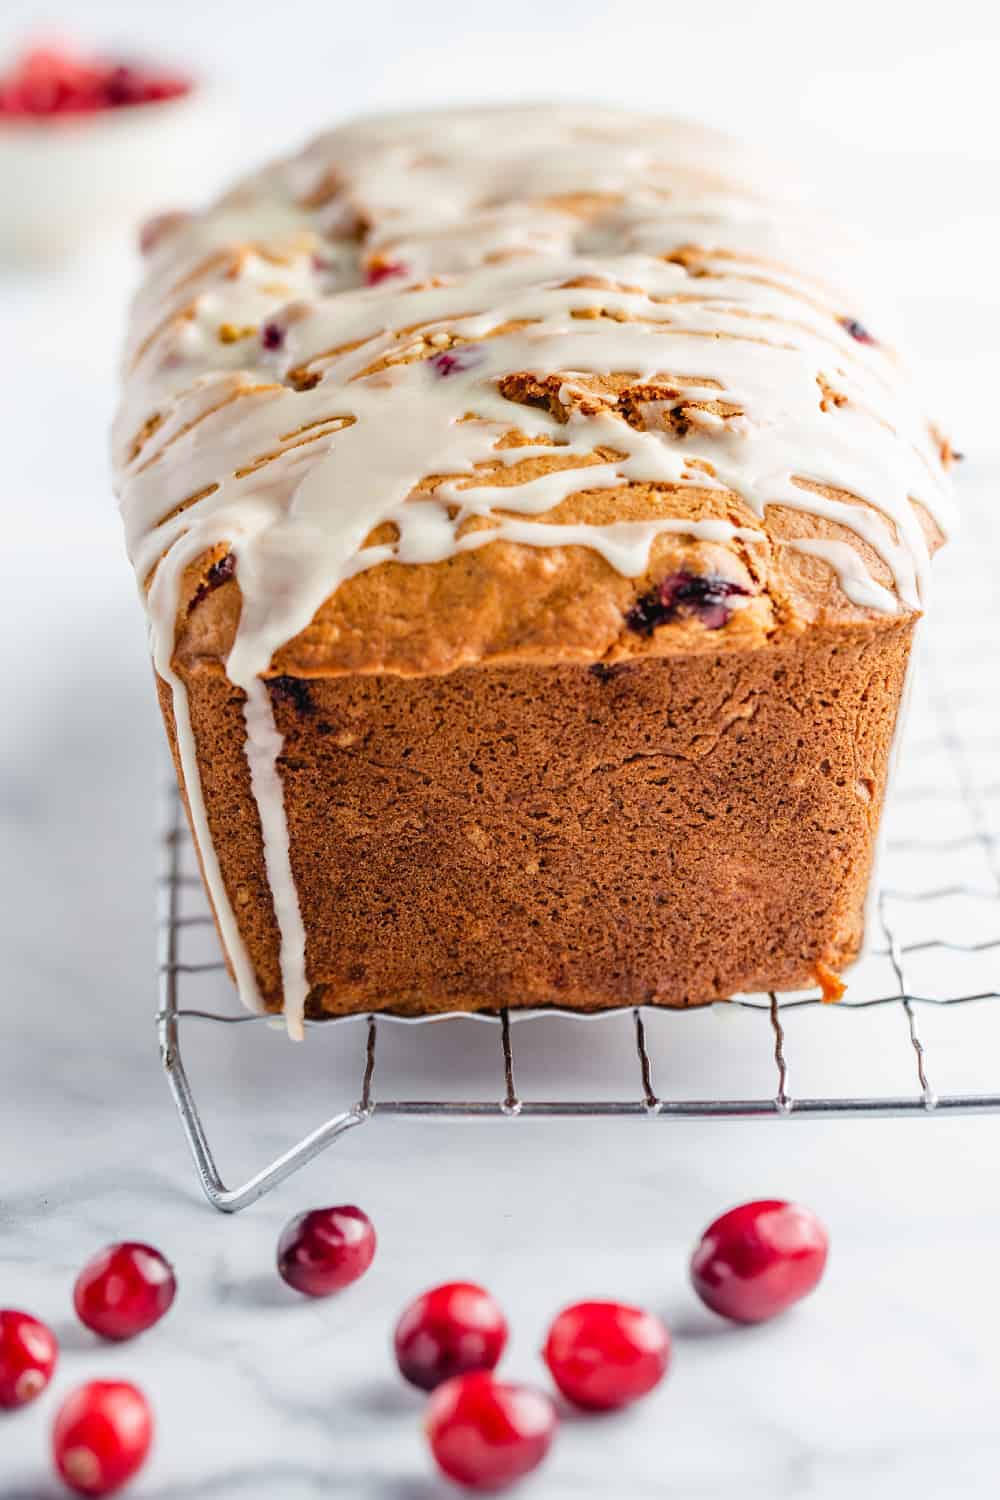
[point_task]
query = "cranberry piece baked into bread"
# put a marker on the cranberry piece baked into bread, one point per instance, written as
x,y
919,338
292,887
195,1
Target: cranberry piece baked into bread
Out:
x,y
532,534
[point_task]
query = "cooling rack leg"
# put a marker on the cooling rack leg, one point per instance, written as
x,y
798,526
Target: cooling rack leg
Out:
x,y
230,1200
782,1099
650,1101
226,1199
511,1104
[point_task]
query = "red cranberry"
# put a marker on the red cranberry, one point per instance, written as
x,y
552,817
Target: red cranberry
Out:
x,y
456,361
124,85
47,82
51,82
324,1250
384,270
450,1330
102,1434
28,1354
605,1354
124,1290
758,1259
857,330
294,692
685,595
484,1435
219,573
159,86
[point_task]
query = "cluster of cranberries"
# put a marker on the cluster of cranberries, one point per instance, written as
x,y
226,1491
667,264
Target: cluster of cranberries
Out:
x,y
103,1430
484,1433
380,269
749,1265
49,82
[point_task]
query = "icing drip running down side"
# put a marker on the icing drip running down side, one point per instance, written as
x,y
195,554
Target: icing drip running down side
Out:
x,y
318,380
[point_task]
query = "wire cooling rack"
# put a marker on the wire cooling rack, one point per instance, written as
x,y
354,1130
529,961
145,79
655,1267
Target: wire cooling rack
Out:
x,y
935,952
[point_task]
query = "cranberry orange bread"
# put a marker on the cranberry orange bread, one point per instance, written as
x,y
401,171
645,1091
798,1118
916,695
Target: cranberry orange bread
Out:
x,y
532,538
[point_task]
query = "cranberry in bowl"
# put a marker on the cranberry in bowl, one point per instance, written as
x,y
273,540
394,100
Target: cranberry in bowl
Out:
x,y
89,145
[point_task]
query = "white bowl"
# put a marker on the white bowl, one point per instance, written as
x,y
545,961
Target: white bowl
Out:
x,y
67,179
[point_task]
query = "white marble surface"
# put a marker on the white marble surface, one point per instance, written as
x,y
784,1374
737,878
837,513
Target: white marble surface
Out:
x,y
885,1384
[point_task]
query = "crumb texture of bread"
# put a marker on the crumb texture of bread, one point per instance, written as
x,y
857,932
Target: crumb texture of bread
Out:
x,y
533,530
668,832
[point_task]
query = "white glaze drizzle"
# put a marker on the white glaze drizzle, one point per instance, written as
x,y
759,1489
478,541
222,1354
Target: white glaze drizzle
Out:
x,y
854,578
293,481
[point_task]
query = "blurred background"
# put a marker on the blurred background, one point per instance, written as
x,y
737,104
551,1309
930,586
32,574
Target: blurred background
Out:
x,y
891,110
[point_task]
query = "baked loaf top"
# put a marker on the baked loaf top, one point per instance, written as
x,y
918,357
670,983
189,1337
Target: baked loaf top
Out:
x,y
548,383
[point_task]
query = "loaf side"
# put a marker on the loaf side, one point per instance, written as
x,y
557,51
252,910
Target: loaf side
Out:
x,y
668,832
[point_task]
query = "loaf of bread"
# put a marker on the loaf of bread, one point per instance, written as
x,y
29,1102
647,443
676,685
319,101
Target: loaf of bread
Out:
x,y
533,534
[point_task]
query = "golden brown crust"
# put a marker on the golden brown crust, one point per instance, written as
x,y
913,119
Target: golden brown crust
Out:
x,y
504,602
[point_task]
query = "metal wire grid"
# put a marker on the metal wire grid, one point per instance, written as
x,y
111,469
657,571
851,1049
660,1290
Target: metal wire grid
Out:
x,y
979,845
